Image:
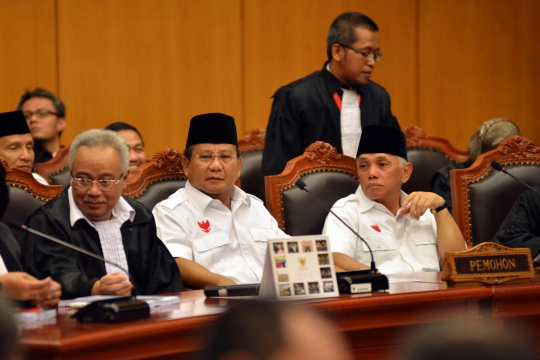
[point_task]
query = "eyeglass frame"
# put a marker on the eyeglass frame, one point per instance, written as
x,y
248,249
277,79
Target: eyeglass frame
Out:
x,y
371,56
28,114
219,156
98,182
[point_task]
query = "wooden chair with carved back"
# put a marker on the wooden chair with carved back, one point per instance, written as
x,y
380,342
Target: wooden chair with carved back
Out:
x,y
26,195
328,174
56,170
428,153
251,147
157,179
482,196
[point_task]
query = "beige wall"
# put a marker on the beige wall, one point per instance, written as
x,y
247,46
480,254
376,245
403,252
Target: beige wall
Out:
x,y
448,64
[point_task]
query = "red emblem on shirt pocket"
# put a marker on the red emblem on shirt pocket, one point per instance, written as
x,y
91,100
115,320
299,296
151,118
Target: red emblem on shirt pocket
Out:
x,y
376,228
205,226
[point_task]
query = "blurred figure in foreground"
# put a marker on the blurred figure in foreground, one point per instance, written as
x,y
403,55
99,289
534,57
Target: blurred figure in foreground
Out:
x,y
9,349
471,341
273,330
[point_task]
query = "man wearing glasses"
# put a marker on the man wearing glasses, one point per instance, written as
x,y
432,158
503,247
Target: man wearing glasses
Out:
x,y
93,215
217,233
45,114
333,104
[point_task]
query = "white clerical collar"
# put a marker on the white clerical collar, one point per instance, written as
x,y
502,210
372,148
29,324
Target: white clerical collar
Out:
x,y
121,211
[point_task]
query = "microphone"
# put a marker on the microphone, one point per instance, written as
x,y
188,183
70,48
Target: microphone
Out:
x,y
499,167
377,281
110,310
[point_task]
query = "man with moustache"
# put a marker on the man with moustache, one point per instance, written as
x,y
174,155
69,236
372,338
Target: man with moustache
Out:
x,y
333,104
16,142
407,233
93,215
217,233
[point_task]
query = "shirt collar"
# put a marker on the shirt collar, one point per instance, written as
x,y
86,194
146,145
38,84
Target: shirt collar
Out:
x,y
366,204
122,210
201,201
332,82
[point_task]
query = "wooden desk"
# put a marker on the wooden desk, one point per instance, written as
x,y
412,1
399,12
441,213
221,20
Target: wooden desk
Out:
x,y
373,323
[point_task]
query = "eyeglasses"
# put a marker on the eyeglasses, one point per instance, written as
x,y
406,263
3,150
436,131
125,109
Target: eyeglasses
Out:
x,y
208,158
369,57
105,185
41,113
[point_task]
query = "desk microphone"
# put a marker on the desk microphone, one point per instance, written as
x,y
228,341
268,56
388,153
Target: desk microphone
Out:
x,y
378,281
498,166
120,309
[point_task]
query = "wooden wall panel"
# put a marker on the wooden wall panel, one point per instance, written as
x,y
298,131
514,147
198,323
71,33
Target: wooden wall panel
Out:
x,y
152,64
285,40
478,60
27,49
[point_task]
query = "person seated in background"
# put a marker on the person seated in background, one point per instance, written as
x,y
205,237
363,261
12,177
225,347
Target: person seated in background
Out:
x,y
93,215
267,330
14,283
217,233
134,141
46,117
521,227
486,137
16,143
407,233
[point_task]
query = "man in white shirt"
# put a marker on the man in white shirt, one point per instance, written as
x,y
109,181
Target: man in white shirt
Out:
x,y
404,236
16,142
216,232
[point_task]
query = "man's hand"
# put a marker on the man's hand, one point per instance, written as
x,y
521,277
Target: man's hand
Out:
x,y
418,202
50,297
112,284
19,285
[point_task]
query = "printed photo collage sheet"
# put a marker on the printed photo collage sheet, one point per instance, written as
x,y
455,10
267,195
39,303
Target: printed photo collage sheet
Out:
x,y
299,267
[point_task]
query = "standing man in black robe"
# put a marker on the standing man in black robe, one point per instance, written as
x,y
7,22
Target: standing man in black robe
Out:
x,y
333,104
93,215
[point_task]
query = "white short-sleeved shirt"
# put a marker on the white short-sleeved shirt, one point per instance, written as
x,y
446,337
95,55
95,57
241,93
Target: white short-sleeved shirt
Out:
x,y
231,243
399,244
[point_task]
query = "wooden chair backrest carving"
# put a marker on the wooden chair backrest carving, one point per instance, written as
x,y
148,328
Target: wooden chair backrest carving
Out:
x,y
482,196
26,195
428,153
328,174
251,147
56,171
157,179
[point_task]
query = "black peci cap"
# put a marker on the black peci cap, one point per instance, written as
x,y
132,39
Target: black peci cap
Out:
x,y
13,123
213,128
382,139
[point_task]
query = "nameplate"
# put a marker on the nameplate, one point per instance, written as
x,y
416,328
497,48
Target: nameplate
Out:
x,y
488,264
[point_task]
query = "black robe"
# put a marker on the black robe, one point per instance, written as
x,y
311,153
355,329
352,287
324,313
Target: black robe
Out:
x,y
151,266
521,228
305,111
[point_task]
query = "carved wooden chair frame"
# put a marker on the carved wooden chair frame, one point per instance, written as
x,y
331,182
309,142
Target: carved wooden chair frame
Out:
x,y
54,166
319,156
165,165
516,150
417,138
252,140
25,180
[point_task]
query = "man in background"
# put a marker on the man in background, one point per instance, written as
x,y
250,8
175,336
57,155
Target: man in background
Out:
x,y
16,143
134,141
333,104
93,215
486,137
45,114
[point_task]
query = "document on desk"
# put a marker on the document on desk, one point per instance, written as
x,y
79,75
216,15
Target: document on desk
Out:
x,y
152,300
